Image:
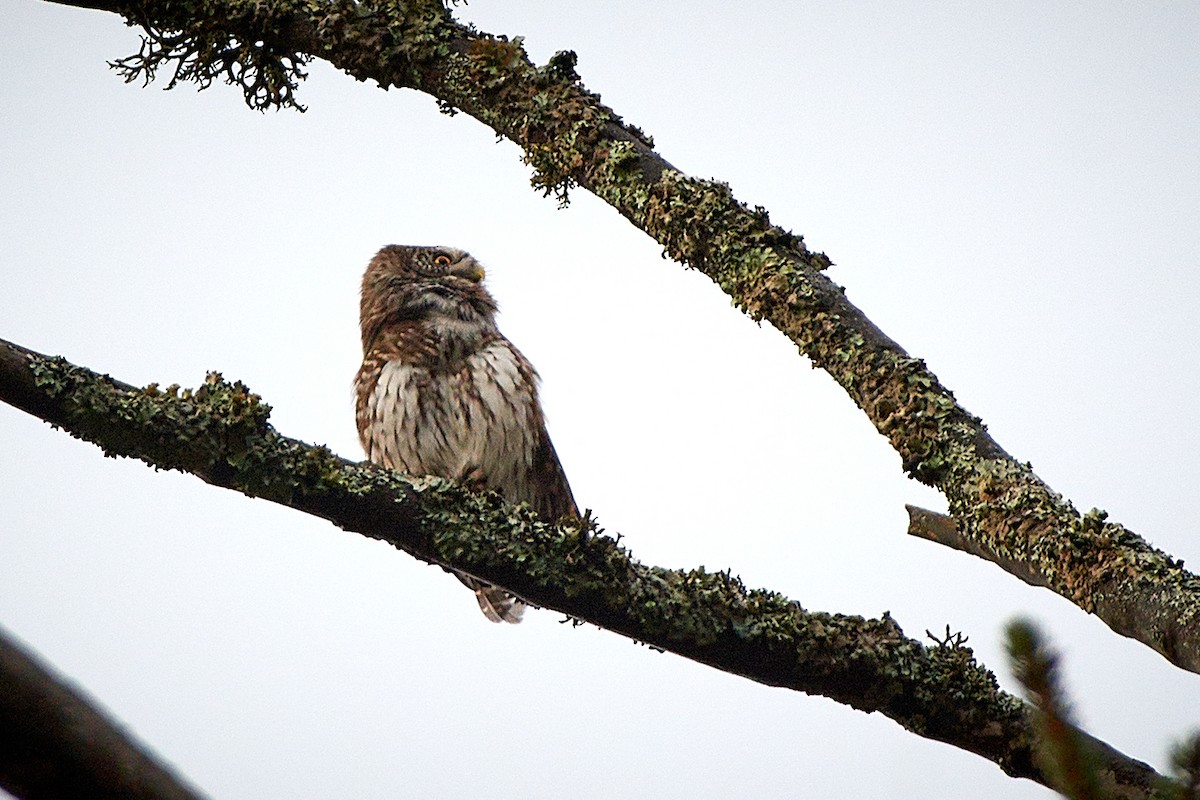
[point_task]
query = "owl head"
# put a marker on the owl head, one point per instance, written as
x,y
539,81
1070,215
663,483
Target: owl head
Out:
x,y
405,282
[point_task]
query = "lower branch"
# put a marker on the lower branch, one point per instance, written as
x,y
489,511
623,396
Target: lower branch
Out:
x,y
220,433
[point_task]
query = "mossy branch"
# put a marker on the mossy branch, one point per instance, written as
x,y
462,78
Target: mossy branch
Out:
x,y
220,433
570,138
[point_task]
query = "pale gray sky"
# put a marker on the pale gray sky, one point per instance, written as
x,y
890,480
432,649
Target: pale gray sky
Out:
x,y
1011,190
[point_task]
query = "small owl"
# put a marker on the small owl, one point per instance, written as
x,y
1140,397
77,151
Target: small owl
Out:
x,y
442,392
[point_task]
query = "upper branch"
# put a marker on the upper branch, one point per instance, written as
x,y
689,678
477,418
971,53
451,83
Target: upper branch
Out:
x,y
220,433
570,138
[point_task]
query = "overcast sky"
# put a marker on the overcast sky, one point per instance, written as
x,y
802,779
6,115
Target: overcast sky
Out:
x,y
1010,190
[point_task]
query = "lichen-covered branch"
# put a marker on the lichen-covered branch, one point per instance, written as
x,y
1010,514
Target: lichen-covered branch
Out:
x,y
220,433
53,744
942,529
571,139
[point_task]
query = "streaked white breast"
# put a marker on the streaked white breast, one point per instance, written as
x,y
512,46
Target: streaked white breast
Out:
x,y
480,423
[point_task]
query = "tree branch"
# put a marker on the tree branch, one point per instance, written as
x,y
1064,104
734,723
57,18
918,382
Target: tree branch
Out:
x,y
570,138
940,528
53,744
220,433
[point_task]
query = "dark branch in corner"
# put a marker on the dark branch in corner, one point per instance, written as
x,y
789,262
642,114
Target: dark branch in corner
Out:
x,y
54,744
571,139
219,432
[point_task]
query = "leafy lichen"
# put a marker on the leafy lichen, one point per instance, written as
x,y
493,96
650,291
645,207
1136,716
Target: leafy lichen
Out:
x,y
241,43
219,423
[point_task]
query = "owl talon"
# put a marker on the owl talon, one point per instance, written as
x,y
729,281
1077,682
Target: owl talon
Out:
x,y
474,479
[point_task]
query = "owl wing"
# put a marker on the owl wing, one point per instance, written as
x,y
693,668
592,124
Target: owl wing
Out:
x,y
508,446
552,498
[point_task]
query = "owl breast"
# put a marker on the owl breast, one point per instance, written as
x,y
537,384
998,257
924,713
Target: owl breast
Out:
x,y
475,424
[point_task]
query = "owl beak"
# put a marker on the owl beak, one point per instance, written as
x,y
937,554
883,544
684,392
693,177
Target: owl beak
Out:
x,y
468,268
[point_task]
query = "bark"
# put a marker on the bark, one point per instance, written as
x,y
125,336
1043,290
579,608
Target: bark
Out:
x,y
1006,512
53,744
940,528
220,433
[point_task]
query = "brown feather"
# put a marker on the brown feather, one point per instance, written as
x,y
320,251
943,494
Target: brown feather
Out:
x,y
442,392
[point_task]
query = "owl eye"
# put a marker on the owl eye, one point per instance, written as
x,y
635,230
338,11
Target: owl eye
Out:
x,y
442,261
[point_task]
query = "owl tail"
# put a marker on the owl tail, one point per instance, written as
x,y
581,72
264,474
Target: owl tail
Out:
x,y
495,603
498,605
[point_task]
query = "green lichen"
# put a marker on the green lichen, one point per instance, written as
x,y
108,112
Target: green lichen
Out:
x,y
219,431
702,225
241,43
546,110
393,42
219,423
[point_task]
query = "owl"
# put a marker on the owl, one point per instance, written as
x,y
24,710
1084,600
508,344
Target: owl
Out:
x,y
442,392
